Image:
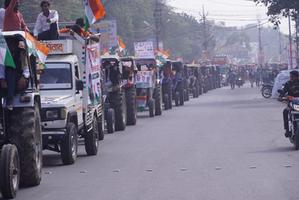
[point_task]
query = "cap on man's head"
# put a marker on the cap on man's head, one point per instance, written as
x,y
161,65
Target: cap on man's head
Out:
x,y
294,73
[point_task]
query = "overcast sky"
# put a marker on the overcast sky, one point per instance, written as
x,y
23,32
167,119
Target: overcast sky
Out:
x,y
232,12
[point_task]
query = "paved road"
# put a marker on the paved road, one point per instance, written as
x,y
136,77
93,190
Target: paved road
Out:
x,y
225,145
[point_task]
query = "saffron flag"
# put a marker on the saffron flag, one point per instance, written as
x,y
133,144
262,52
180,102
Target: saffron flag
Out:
x,y
5,55
94,10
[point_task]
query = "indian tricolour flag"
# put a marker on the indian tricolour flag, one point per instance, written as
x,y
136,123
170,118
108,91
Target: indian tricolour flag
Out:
x,y
37,48
5,55
121,44
94,11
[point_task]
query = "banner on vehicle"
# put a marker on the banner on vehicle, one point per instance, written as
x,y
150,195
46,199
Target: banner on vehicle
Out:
x,y
144,79
144,49
93,71
108,30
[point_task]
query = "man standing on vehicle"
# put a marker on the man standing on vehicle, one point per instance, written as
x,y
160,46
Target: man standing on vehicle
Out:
x,y
13,19
15,78
46,27
291,88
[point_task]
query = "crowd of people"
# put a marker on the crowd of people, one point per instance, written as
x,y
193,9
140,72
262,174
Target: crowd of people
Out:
x,y
255,76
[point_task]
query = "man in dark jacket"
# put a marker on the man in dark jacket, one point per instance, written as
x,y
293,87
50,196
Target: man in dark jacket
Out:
x,y
291,88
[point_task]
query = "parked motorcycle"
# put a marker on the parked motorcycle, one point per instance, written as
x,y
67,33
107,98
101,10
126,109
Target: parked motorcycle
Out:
x,y
267,90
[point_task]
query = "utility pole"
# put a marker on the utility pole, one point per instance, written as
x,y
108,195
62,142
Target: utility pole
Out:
x,y
158,20
280,46
261,52
203,16
290,43
204,20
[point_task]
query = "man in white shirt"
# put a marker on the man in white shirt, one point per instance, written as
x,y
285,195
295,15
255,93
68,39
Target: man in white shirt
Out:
x,y
46,27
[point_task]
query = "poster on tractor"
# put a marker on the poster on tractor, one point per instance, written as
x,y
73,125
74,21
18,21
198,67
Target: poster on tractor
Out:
x,y
144,49
144,79
108,30
93,70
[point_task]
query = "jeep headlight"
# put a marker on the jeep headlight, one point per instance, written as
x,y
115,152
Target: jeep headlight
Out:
x,y
296,107
56,114
52,114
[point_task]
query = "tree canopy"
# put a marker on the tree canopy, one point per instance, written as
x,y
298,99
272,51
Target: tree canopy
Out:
x,y
277,8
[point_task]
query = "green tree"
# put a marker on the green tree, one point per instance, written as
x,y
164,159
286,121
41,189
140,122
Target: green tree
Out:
x,y
280,7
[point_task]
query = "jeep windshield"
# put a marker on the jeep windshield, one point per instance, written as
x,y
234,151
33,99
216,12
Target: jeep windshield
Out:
x,y
56,76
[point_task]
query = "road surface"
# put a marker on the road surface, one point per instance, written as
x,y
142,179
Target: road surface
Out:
x,y
226,145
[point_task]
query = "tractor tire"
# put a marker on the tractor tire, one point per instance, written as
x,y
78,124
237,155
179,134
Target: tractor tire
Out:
x,y
158,102
187,96
166,102
200,90
91,139
118,102
170,101
110,121
69,145
182,99
177,99
194,93
25,129
101,125
151,107
167,92
9,171
131,107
